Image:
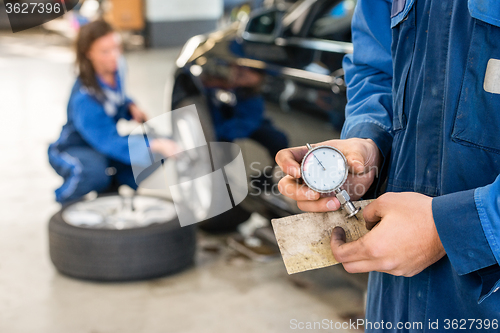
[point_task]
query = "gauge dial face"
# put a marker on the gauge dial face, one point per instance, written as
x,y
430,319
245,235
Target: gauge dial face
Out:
x,y
324,169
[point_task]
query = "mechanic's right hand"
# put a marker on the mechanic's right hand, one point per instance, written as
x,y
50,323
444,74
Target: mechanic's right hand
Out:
x,y
363,158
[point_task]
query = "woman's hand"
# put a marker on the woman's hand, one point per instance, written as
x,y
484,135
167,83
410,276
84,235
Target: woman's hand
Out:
x,y
165,147
137,114
363,159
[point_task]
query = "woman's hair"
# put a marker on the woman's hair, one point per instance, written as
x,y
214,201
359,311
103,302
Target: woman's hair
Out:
x,y
87,35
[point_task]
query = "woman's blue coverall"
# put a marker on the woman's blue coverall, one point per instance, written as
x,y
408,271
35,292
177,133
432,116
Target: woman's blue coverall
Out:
x,y
89,145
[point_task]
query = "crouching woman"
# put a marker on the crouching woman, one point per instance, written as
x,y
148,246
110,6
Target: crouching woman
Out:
x,y
90,154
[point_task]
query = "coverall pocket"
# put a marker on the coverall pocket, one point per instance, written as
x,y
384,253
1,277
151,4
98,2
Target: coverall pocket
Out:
x,y
403,45
477,120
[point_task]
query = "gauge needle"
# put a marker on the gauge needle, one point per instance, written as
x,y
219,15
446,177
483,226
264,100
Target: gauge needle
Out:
x,y
319,162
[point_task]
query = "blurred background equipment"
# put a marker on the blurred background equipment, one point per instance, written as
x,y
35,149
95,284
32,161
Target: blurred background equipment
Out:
x,y
171,23
125,14
4,19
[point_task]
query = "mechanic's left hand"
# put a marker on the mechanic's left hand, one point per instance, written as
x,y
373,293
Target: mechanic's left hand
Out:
x,y
137,114
403,240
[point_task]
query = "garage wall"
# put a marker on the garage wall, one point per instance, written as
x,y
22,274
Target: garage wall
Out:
x,y
172,22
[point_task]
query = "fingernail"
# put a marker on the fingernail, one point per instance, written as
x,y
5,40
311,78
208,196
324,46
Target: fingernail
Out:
x,y
311,195
339,233
331,205
356,162
294,172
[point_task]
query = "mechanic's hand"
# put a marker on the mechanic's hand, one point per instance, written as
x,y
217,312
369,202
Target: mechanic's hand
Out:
x,y
403,240
363,158
165,147
137,114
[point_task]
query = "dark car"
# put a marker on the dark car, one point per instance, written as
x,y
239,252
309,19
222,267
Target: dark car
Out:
x,y
271,82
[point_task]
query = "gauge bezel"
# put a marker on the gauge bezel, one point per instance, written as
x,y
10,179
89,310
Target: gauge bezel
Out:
x,y
311,186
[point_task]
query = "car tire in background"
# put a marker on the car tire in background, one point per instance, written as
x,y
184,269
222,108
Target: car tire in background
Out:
x,y
113,238
229,220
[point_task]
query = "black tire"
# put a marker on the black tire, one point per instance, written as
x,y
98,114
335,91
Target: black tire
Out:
x,y
120,255
228,221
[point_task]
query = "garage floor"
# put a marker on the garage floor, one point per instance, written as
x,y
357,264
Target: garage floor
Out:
x,y
223,293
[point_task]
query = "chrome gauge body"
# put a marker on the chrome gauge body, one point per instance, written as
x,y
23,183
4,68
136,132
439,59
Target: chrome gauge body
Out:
x,y
324,170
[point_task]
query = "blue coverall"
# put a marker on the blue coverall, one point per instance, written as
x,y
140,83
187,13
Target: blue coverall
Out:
x,y
89,145
416,87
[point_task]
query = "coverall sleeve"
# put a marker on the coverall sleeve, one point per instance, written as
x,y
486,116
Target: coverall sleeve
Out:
x,y
123,111
468,224
99,130
368,75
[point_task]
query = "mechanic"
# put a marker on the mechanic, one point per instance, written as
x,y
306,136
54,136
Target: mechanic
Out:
x,y
90,154
246,119
424,91
243,115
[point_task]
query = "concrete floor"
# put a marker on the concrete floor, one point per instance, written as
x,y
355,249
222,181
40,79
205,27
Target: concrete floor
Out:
x,y
222,293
